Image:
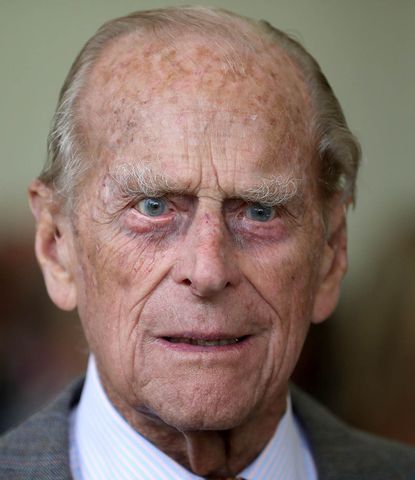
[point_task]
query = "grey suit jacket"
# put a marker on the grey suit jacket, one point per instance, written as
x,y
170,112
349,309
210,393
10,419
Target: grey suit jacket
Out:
x,y
38,449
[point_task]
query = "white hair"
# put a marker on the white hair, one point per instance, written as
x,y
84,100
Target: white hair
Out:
x,y
234,36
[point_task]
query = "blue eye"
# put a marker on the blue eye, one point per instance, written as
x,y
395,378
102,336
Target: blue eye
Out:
x,y
152,207
260,213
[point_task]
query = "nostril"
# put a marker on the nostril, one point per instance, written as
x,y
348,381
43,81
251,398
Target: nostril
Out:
x,y
187,282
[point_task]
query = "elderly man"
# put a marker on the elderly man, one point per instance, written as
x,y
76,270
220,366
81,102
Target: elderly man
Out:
x,y
193,210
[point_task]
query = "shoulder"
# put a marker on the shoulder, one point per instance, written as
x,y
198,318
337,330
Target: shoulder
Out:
x,y
39,447
342,452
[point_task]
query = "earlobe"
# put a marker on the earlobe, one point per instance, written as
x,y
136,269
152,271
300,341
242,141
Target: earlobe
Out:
x,y
53,246
333,266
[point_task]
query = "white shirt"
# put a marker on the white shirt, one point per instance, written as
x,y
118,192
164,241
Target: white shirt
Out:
x,y
103,446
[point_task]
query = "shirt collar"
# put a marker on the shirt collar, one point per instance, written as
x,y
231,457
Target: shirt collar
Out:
x,y
104,446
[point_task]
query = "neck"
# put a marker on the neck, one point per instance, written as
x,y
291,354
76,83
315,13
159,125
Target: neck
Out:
x,y
207,453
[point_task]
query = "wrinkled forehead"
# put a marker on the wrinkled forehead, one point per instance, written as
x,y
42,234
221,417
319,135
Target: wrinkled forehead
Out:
x,y
136,78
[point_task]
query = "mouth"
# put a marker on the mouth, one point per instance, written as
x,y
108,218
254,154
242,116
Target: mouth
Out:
x,y
202,342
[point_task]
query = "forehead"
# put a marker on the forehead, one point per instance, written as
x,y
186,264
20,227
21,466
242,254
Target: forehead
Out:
x,y
167,98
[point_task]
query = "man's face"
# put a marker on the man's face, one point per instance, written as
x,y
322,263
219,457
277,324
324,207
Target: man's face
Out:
x,y
194,290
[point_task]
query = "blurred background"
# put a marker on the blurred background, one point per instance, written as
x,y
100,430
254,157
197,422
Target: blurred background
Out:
x,y
361,363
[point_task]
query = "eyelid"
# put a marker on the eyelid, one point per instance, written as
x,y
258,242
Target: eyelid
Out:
x,y
138,206
280,211
173,203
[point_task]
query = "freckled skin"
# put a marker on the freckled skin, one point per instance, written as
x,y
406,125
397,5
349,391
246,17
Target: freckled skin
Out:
x,y
202,267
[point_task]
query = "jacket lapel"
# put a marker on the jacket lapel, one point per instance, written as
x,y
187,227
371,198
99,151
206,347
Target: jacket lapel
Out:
x,y
39,449
340,452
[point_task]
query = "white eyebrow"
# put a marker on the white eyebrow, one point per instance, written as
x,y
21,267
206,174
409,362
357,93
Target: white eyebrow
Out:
x,y
134,180
137,180
273,191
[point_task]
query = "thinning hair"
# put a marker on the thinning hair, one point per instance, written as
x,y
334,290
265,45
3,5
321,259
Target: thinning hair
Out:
x,y
338,150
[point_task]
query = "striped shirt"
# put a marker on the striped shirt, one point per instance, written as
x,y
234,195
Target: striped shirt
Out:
x,y
103,446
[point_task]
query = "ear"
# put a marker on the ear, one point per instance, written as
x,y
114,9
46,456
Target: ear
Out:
x,y
53,246
333,265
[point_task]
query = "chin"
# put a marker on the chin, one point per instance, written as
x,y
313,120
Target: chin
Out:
x,y
198,423
191,417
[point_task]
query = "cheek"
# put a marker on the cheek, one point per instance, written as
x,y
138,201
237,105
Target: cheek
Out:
x,y
285,277
286,280
113,266
117,276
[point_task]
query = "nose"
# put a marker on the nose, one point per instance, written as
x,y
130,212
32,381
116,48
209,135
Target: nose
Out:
x,y
206,262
